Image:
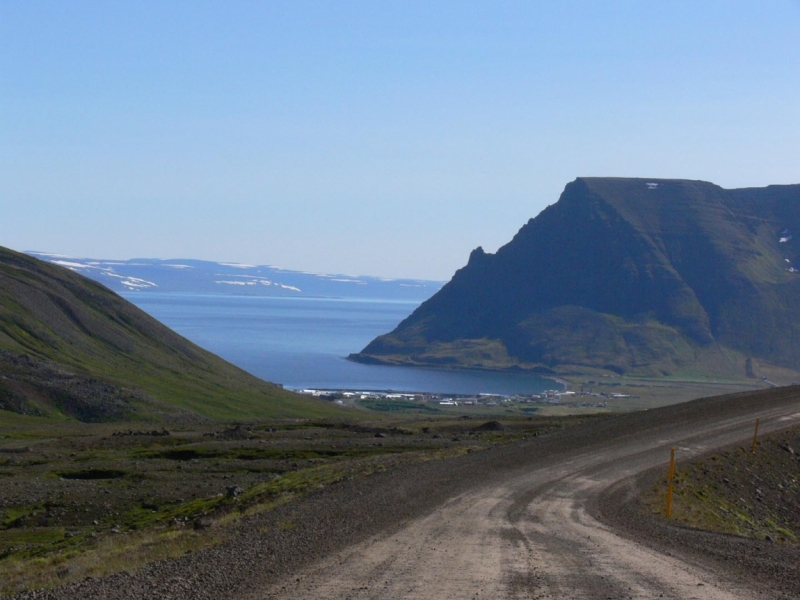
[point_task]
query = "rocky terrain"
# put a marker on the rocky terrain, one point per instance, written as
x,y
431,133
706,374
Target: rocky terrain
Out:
x,y
637,276
742,492
88,500
552,516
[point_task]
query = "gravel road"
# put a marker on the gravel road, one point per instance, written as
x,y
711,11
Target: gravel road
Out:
x,y
553,517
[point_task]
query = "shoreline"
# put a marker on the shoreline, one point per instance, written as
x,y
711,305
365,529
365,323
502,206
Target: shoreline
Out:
x,y
512,370
408,393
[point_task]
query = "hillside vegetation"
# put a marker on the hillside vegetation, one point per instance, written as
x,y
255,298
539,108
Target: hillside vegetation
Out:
x,y
628,276
70,347
739,491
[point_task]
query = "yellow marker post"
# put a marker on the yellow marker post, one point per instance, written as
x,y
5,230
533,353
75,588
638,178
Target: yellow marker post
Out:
x,y
755,437
670,479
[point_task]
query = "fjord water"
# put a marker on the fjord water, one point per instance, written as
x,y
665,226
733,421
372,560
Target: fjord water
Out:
x,y
301,342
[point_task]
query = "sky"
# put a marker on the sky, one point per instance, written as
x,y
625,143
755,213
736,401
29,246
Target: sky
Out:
x,y
371,138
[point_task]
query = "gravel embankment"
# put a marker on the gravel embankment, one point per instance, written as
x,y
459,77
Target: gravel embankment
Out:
x,y
745,560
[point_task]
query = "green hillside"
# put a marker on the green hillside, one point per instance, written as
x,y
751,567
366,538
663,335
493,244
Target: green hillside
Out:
x,y
70,347
636,276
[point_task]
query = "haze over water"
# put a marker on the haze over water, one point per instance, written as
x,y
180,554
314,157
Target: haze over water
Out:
x,y
301,342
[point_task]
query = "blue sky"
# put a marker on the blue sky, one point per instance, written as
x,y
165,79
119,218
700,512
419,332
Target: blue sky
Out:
x,y
379,138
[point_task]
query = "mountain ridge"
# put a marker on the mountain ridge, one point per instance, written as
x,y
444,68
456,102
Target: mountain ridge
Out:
x,y
642,276
148,275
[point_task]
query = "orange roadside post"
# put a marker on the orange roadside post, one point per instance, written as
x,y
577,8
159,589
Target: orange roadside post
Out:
x,y
755,437
670,478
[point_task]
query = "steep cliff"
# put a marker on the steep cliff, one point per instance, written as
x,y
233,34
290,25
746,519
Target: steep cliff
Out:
x,y
627,275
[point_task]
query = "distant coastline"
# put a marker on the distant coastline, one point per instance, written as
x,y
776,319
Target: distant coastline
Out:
x,y
148,276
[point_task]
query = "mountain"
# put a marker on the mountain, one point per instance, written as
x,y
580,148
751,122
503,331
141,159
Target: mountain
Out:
x,y
200,276
639,276
70,347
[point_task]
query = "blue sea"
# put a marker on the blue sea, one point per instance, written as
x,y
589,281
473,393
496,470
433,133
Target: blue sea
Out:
x,y
302,342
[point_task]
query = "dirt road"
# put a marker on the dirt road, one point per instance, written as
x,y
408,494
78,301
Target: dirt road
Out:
x,y
554,517
534,535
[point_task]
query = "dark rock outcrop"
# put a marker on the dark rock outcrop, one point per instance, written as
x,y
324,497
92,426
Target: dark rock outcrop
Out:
x,y
626,275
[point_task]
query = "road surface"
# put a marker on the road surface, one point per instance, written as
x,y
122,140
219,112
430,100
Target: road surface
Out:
x,y
553,517
534,536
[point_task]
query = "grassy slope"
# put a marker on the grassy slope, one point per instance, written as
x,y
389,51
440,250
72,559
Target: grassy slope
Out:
x,y
52,314
752,494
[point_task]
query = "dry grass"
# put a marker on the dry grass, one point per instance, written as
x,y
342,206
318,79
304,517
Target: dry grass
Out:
x,y
113,554
739,492
83,501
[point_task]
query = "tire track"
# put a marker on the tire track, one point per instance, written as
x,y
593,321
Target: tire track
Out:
x,y
532,537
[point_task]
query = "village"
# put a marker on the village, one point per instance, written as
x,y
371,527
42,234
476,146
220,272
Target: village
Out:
x,y
580,398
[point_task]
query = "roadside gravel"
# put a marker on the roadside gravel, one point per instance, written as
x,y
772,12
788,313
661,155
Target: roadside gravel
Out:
x,y
270,548
760,563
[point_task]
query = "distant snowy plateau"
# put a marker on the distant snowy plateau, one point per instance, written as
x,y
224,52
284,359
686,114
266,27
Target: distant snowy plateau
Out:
x,y
206,277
